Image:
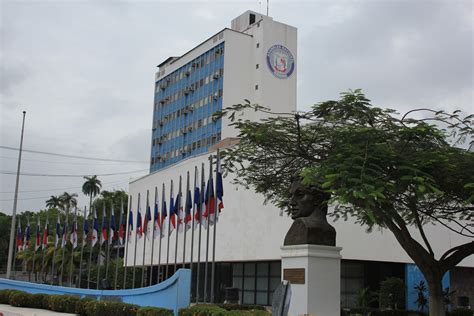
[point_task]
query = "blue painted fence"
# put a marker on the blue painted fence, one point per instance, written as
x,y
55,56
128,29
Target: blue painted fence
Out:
x,y
173,293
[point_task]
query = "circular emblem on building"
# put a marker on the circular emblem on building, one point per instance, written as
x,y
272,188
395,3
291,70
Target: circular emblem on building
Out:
x,y
280,61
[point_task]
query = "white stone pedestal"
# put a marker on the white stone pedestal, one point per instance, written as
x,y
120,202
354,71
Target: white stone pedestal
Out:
x,y
320,294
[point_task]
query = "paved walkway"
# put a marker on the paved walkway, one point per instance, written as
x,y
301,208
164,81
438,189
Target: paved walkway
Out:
x,y
8,310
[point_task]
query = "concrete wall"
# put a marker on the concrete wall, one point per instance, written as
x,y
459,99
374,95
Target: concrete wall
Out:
x,y
174,293
248,229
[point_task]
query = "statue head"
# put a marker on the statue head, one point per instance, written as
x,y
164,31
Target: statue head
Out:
x,y
307,199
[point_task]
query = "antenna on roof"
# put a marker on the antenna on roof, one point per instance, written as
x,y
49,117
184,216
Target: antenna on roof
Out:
x,y
267,7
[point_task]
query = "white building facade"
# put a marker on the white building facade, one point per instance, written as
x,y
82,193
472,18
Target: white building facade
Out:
x,y
257,61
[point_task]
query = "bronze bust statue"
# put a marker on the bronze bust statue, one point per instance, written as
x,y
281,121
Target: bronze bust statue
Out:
x,y
308,209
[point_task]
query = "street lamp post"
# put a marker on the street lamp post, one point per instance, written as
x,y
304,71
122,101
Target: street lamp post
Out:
x,y
15,203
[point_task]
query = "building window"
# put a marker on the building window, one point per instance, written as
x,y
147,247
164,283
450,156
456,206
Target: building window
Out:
x,y
256,66
252,19
258,45
256,87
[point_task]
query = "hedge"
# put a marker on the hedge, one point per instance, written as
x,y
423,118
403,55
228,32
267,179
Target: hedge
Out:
x,y
223,310
87,306
461,312
378,312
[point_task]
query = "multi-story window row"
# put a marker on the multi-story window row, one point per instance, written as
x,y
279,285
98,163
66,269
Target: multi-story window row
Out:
x,y
185,101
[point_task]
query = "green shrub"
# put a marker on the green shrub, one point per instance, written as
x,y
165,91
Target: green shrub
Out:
x,y
461,312
81,305
20,299
252,312
154,311
396,313
241,307
63,303
392,293
202,310
5,295
103,308
39,300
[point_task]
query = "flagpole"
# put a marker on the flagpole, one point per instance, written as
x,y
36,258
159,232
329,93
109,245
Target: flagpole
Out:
x,y
73,231
184,221
15,202
64,242
162,222
177,211
127,239
208,206
15,250
201,202
192,228
169,226
100,244
110,241
118,248
90,253
145,235
216,213
44,246
136,233
84,240
55,246
153,236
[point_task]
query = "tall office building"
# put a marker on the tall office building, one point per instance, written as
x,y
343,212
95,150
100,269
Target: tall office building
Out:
x,y
255,59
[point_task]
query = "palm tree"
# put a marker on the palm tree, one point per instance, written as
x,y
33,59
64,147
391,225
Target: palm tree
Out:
x,y
68,200
53,202
91,188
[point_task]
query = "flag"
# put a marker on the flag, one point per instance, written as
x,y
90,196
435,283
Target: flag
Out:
x,y
38,235
130,224
85,229
179,212
73,237
157,220
122,228
146,220
197,202
19,237
104,227
26,243
95,229
164,214
209,201
219,194
58,232
45,234
113,229
188,218
172,216
63,241
139,223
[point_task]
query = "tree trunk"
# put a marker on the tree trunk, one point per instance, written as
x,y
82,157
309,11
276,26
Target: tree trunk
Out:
x,y
436,298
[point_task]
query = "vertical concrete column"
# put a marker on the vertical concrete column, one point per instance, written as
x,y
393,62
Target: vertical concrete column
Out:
x,y
314,272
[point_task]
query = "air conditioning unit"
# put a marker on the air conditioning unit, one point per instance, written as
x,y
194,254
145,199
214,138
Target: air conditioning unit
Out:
x,y
183,130
215,96
186,91
188,72
216,76
163,86
161,122
190,128
162,101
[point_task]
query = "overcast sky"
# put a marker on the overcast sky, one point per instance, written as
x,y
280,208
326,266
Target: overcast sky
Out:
x,y
84,71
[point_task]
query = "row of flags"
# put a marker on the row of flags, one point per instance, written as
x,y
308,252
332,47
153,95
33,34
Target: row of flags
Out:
x,y
179,216
41,239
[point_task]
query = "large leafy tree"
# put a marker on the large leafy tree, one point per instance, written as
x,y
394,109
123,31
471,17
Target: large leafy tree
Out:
x,y
54,202
91,187
387,170
68,200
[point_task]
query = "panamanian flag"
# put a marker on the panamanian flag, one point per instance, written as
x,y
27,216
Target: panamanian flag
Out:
x,y
156,219
64,234
130,224
85,229
179,212
58,232
197,202
121,233
209,202
104,227
26,242
45,234
164,215
146,220
73,237
219,193
19,237
38,235
172,216
188,217
95,230
113,229
139,223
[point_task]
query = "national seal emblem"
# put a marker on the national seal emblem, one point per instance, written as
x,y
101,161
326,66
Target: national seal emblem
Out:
x,y
280,61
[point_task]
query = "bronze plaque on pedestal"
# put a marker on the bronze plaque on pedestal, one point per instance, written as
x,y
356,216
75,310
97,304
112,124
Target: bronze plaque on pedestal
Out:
x,y
294,276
